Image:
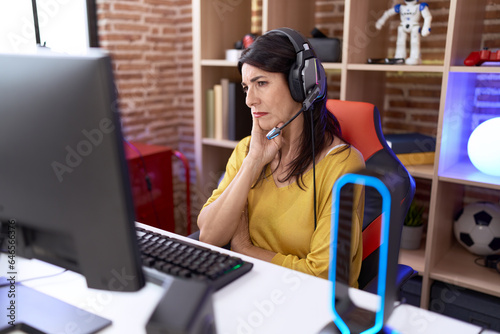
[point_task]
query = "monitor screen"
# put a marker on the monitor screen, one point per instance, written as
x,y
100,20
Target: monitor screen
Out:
x,y
64,181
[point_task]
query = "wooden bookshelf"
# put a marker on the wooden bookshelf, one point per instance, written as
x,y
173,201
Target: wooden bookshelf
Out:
x,y
440,258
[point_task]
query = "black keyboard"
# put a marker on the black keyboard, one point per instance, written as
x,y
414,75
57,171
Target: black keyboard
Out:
x,y
163,256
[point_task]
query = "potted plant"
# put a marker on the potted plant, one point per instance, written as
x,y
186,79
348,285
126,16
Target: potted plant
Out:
x,y
413,227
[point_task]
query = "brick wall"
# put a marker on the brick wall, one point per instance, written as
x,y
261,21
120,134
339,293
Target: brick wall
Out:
x,y
151,45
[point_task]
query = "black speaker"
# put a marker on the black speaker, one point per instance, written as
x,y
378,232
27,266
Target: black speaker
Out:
x,y
327,49
185,308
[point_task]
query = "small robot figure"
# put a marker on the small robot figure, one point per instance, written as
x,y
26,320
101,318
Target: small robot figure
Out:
x,y
410,14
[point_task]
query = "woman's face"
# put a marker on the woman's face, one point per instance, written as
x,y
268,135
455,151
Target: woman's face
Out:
x,y
268,96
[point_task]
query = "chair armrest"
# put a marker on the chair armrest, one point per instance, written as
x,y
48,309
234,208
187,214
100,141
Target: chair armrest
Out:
x,y
404,273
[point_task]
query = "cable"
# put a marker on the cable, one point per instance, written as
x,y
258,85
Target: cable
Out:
x,y
476,261
41,277
276,131
314,166
291,119
489,261
35,21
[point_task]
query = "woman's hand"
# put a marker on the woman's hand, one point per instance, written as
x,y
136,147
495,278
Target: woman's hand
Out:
x,y
263,150
219,221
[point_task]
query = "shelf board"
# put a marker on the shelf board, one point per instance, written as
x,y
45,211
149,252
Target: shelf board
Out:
x,y
421,171
358,67
219,142
226,63
413,258
465,173
332,66
457,267
218,62
396,68
475,69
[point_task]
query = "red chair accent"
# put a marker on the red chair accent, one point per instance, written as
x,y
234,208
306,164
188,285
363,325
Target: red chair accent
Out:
x,y
361,127
357,123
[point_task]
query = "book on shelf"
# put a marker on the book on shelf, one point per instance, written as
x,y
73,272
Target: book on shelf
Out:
x,y
225,107
232,117
240,115
218,111
210,114
421,158
412,148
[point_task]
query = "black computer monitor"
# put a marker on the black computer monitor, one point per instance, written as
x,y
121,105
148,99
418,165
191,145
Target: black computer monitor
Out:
x,y
64,181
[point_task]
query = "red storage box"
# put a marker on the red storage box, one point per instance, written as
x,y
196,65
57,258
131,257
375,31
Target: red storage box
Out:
x,y
150,169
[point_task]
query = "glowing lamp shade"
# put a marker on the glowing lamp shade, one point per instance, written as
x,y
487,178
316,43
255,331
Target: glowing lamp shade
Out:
x,y
484,147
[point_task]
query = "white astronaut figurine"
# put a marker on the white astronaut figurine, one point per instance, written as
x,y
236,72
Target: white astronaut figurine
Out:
x,y
410,24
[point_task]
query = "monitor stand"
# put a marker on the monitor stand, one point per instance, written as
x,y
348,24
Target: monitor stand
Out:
x,y
36,312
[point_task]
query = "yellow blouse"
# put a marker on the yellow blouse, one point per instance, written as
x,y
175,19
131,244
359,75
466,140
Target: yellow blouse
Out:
x,y
282,219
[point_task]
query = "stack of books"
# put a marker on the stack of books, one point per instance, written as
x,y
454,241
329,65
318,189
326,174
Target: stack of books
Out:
x,y
412,148
227,115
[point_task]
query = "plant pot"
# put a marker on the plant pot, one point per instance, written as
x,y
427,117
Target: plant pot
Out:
x,y
411,237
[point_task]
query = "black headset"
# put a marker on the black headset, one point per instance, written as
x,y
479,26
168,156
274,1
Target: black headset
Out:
x,y
307,72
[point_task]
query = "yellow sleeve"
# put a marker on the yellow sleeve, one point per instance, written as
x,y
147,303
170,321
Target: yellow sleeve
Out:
x,y
233,165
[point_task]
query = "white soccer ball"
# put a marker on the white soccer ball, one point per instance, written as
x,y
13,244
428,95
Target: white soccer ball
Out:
x,y
478,228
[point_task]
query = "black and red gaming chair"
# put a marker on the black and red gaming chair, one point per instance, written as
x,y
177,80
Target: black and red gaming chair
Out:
x,y
361,127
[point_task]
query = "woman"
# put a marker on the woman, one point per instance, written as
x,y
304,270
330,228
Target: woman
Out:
x,y
264,205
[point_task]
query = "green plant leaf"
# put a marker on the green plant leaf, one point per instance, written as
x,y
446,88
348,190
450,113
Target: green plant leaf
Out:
x,y
414,215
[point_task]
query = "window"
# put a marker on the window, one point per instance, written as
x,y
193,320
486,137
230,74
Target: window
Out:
x,y
63,25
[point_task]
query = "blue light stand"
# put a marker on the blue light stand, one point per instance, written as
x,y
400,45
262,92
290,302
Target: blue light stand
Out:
x,y
347,317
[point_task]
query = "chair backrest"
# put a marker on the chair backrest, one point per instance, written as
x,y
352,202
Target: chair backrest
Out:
x,y
361,127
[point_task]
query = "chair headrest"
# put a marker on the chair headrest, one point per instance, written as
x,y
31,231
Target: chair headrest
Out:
x,y
360,124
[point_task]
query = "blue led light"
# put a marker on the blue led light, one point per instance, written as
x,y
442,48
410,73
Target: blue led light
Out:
x,y
384,244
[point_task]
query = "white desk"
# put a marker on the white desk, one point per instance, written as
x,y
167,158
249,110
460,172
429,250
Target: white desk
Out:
x,y
268,299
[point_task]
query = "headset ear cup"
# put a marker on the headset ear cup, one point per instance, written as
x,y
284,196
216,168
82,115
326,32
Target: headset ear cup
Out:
x,y
321,79
310,75
295,85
